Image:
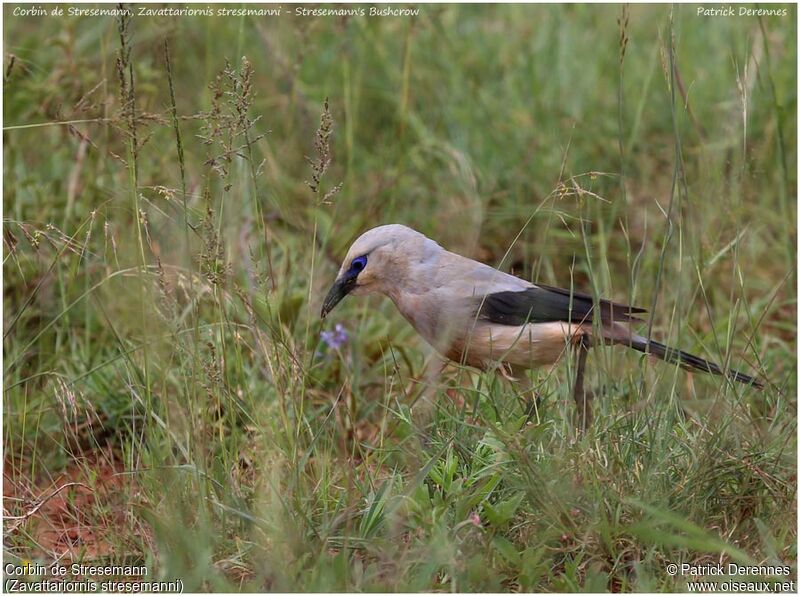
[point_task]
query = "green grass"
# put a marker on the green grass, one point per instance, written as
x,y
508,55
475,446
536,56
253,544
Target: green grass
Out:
x,y
165,260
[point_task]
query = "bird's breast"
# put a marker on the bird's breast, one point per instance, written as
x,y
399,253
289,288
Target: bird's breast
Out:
x,y
419,310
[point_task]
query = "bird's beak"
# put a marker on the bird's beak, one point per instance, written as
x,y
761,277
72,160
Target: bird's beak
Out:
x,y
340,288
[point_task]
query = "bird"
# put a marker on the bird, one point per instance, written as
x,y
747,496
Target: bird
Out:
x,y
484,318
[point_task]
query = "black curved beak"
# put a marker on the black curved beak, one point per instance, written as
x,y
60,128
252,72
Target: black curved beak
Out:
x,y
340,288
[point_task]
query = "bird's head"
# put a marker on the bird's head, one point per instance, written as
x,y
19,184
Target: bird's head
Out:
x,y
376,262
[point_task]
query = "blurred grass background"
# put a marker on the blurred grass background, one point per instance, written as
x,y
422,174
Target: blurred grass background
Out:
x,y
165,260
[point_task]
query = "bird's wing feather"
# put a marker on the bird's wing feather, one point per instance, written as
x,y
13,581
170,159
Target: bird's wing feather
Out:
x,y
540,304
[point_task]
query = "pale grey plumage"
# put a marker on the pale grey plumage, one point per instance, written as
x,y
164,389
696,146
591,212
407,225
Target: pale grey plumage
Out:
x,y
477,315
437,291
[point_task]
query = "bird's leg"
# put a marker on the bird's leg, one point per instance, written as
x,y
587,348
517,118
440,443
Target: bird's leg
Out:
x,y
429,377
419,394
434,372
529,398
582,399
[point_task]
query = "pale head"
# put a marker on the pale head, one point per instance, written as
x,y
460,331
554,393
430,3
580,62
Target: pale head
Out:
x,y
376,262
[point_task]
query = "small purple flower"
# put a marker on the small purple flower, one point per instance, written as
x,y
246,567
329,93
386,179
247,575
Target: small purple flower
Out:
x,y
475,519
335,339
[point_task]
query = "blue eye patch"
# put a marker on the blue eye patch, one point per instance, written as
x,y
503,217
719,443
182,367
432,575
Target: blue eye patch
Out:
x,y
358,264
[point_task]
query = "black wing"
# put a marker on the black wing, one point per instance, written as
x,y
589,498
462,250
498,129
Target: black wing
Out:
x,y
544,304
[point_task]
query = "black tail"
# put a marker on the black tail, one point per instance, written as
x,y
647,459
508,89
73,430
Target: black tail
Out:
x,y
689,361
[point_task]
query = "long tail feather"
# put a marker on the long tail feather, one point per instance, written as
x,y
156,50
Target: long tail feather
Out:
x,y
689,361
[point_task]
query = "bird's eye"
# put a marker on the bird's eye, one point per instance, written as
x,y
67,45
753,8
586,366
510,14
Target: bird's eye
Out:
x,y
359,263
